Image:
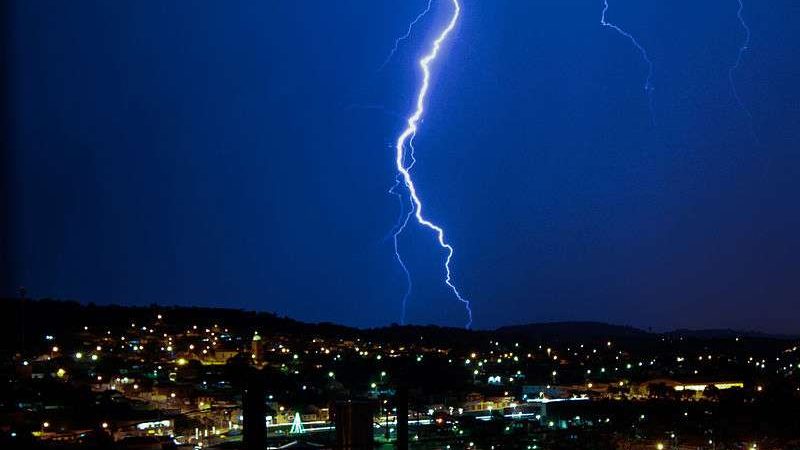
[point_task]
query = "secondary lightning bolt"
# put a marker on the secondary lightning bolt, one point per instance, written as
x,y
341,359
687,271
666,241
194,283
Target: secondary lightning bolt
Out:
x,y
404,170
743,48
402,222
405,36
648,85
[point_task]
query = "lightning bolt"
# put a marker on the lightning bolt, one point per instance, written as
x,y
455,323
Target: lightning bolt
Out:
x,y
405,36
406,140
743,48
648,85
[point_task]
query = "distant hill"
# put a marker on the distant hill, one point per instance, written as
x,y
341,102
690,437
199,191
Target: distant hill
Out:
x,y
46,316
575,331
572,331
725,333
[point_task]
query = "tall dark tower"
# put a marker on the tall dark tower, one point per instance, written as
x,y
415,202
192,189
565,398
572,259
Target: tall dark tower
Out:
x,y
354,429
255,426
402,417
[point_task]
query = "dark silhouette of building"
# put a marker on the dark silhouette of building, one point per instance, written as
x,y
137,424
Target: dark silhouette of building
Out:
x,y
255,427
354,427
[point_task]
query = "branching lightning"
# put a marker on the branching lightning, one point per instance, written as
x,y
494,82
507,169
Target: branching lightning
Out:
x,y
405,216
405,36
404,160
648,84
401,225
743,48
402,222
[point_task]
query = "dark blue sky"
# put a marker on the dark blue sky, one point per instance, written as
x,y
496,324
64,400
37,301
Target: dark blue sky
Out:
x,y
239,154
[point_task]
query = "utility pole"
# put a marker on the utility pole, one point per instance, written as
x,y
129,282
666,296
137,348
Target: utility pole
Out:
x,y
386,434
402,417
23,293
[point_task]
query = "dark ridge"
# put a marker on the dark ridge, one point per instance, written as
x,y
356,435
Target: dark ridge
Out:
x,y
570,331
22,320
725,333
45,316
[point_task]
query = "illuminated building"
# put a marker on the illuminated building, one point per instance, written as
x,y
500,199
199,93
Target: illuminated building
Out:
x,y
721,385
257,348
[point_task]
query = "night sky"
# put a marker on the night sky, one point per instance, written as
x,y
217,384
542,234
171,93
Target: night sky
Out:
x,y
239,154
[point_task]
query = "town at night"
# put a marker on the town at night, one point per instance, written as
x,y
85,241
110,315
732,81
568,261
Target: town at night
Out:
x,y
399,224
154,377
